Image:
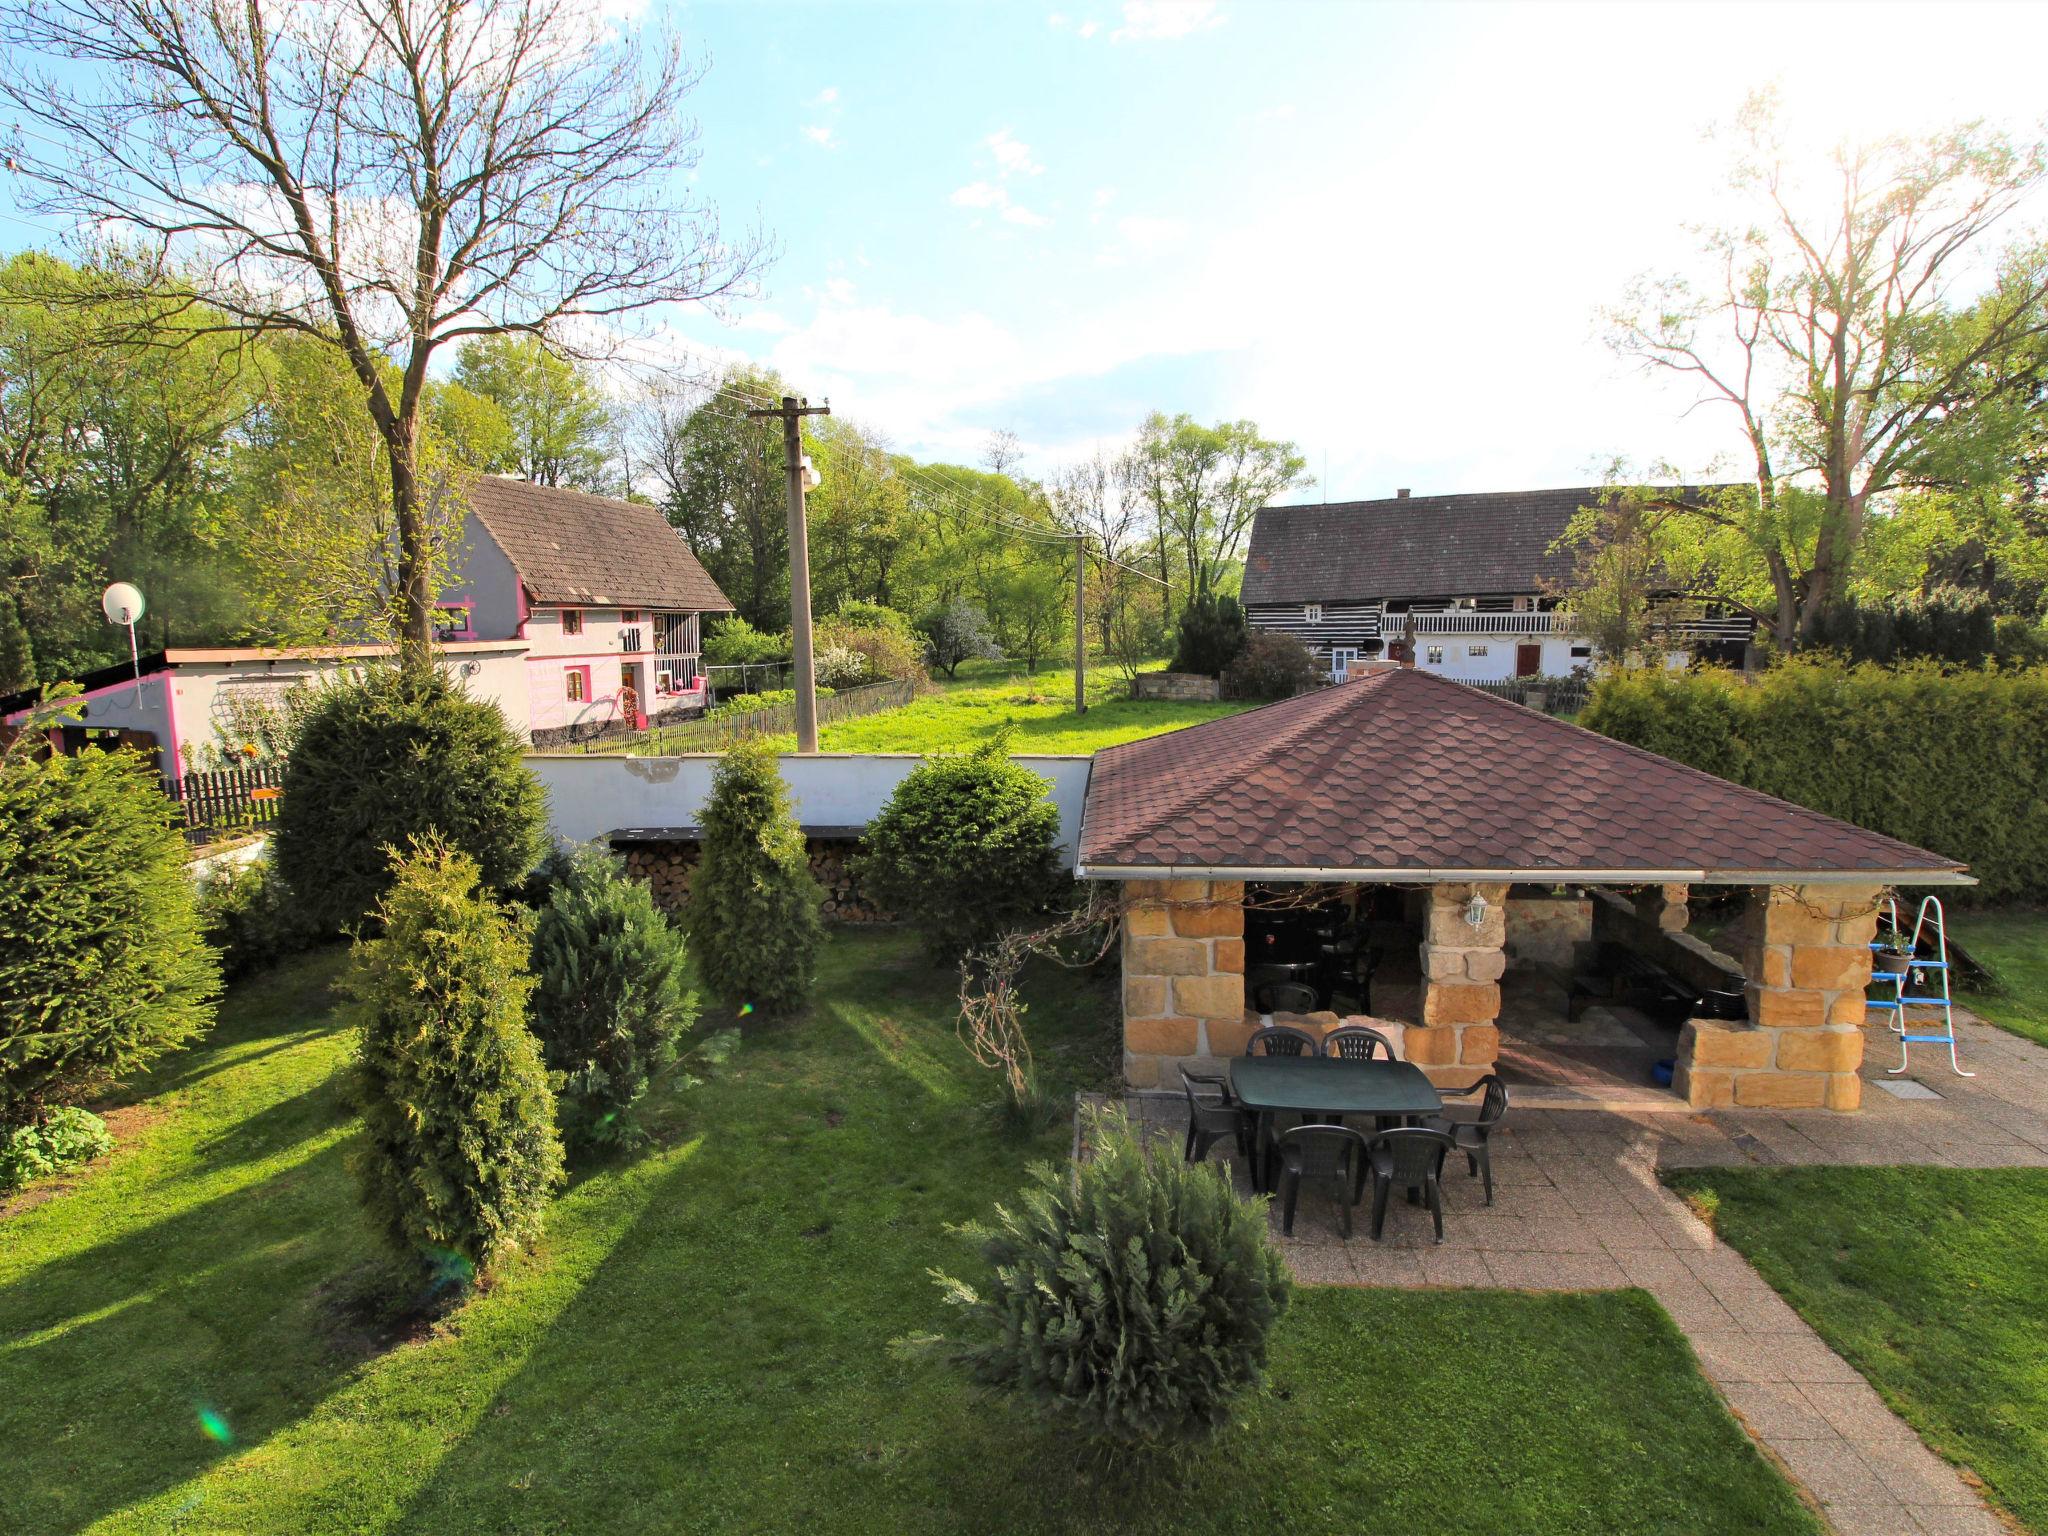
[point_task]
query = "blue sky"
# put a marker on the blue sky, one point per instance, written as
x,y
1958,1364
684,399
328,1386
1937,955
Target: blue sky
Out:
x,y
1381,231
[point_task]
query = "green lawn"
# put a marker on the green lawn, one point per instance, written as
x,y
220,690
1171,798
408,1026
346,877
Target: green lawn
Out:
x,y
701,1342
2014,946
1928,1281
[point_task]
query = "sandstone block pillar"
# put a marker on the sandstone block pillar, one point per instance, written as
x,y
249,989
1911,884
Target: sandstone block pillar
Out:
x,y
1806,953
1457,1039
1664,906
1183,954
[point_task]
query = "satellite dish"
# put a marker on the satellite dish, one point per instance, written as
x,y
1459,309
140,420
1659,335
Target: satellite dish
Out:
x,y
122,603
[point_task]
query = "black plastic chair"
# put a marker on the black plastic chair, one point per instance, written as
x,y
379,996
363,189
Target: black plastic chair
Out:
x,y
1471,1136
1213,1113
1321,1151
1413,1158
1282,1040
1354,1042
1285,997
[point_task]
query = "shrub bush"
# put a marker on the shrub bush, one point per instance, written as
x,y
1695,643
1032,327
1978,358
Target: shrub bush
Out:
x,y
1952,761
1212,633
1131,1295
459,1148
860,615
735,642
753,912
609,1004
838,666
391,759
1952,624
67,1137
102,963
1271,666
754,703
964,848
249,915
889,648
955,632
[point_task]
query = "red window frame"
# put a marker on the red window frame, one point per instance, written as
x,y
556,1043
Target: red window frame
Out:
x,y
572,621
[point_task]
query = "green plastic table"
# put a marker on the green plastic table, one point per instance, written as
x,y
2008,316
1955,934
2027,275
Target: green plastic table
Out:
x,y
1323,1085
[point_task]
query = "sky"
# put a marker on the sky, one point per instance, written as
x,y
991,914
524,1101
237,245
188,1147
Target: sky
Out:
x,y
1383,232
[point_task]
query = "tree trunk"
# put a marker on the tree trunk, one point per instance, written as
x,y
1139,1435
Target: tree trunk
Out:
x,y
416,629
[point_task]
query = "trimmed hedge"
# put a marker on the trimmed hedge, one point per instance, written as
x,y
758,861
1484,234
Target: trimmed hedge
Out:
x,y
1953,761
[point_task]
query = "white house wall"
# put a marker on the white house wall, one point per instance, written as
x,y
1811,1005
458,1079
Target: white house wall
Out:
x,y
142,705
589,796
483,577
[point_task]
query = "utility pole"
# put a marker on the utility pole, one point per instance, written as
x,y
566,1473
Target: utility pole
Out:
x,y
801,475
1080,623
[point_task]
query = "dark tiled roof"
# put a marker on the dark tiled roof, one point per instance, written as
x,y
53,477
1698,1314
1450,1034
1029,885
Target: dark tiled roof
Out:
x,y
569,547
1411,546
1404,771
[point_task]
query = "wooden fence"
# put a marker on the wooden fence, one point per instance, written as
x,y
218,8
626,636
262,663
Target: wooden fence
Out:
x,y
235,800
717,732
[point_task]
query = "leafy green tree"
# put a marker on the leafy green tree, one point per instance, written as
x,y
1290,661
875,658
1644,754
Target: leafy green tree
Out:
x,y
102,966
459,1149
722,484
753,912
862,531
1847,376
610,1005
560,429
390,759
1202,486
965,848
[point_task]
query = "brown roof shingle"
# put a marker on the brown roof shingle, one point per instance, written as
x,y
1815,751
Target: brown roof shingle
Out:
x,y
571,547
1402,771
1411,546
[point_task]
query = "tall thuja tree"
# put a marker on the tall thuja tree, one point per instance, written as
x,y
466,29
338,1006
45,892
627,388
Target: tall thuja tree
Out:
x,y
753,914
1825,329
390,178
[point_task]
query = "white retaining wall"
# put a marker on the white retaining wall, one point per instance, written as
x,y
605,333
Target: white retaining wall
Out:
x,y
591,795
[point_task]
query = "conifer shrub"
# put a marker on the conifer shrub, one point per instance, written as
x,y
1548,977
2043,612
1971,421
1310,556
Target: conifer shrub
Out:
x,y
1951,760
1212,633
396,757
459,1150
609,1004
67,1137
251,918
1130,1296
752,917
102,964
965,848
1271,666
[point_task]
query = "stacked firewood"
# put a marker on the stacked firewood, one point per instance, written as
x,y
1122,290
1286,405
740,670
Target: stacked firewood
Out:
x,y
667,867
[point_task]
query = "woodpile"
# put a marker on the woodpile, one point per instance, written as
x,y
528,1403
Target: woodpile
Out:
x,y
667,867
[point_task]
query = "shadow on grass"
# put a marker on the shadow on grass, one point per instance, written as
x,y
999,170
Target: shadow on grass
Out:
x,y
109,1355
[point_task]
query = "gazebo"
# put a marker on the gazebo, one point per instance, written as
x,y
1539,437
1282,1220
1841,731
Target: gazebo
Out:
x,y
1400,778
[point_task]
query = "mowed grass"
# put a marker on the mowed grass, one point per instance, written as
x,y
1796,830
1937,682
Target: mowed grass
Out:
x,y
702,1341
1928,1281
1037,709
2013,946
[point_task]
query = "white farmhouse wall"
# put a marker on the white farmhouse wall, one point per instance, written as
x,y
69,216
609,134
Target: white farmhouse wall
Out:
x,y
483,577
134,706
589,796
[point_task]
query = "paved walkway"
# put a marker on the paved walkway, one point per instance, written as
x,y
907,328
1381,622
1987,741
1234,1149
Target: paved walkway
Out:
x,y
1579,1206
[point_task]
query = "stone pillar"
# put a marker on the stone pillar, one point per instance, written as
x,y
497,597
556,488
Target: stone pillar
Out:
x,y
1457,1038
1806,952
1183,976
1664,906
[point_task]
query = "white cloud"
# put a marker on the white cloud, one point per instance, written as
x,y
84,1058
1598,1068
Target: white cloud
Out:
x,y
820,134
1017,213
826,97
1165,20
980,194
1057,21
1013,156
1104,196
1090,28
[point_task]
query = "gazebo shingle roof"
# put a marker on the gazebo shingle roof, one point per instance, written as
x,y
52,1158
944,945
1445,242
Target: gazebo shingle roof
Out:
x,y
1402,773
571,547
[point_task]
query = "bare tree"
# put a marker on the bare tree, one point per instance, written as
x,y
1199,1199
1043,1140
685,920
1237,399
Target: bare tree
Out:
x,y
390,176
1826,328
1100,498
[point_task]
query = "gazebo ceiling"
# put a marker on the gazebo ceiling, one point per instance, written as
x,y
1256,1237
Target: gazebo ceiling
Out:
x,y
1400,775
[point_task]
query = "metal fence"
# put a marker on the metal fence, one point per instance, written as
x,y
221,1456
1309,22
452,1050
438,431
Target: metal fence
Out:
x,y
234,800
753,677
1552,695
716,732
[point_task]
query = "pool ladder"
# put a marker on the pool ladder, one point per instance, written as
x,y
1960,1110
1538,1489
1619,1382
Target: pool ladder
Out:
x,y
1929,921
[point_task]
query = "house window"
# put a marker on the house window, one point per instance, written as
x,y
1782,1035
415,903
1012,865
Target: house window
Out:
x,y
629,615
451,621
1581,652
1475,650
576,684
1312,613
572,621
1434,656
